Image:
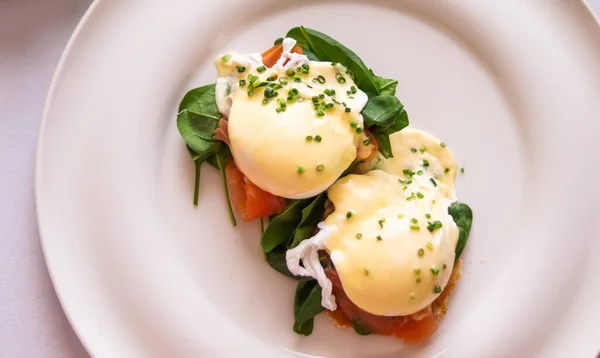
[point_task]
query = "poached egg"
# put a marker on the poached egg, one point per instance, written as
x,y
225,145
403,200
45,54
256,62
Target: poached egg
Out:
x,y
293,128
390,237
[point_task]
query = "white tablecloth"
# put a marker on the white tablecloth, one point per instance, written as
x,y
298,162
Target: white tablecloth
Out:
x,y
33,34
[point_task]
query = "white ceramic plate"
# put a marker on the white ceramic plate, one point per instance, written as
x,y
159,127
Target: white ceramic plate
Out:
x,y
513,87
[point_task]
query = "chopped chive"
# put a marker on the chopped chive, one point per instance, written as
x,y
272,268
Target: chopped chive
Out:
x,y
353,89
437,224
443,145
421,252
429,246
320,79
423,149
348,215
425,163
428,216
437,289
433,181
405,171
320,167
281,101
353,124
318,138
400,216
412,296
444,266
300,170
265,101
359,236
261,69
250,92
340,78
381,222
290,72
433,202
359,130
321,95
270,78
446,170
379,238
462,170
420,172
366,142
225,58
347,109
366,272
327,92
405,187
240,69
280,109
420,195
417,271
305,68
414,150
309,138
408,181
418,280
414,221
294,91
242,83
435,270
415,227
320,112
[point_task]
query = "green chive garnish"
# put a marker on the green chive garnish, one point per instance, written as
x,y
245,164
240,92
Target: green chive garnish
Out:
x,y
309,138
261,69
437,289
320,167
366,272
414,150
423,149
348,215
320,79
435,270
462,170
443,145
379,238
318,138
381,222
425,163
421,252
366,142
226,57
420,195
340,78
240,69
428,216
446,170
300,170
433,181
417,271
415,227
359,236
353,124
353,89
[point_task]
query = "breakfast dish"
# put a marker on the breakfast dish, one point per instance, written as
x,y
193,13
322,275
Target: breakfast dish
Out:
x,y
360,209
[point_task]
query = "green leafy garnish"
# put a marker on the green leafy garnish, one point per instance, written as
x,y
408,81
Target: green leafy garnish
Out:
x,y
360,329
385,114
281,227
307,304
463,217
276,259
323,48
311,216
197,120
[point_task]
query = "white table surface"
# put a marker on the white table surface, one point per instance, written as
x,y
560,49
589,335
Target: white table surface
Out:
x,y
33,34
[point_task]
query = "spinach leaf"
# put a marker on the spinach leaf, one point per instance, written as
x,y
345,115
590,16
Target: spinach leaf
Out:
x,y
307,304
360,329
282,227
324,48
201,100
197,131
383,136
311,216
276,259
223,157
386,86
197,120
463,217
383,112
